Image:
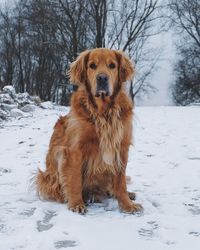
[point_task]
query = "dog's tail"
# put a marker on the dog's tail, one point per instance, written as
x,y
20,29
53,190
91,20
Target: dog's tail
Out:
x,y
38,183
32,181
41,183
48,187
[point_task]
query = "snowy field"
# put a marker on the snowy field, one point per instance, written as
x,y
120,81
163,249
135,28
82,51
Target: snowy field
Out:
x,y
165,168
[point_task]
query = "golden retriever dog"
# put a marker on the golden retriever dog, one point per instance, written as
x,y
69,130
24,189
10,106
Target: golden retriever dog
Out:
x,y
88,150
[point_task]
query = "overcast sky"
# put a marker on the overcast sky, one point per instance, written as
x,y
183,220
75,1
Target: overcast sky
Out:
x,y
163,77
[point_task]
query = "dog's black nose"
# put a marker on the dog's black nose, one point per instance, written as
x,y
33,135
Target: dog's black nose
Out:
x,y
102,85
102,78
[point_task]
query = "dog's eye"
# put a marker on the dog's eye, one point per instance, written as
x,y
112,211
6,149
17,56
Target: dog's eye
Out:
x,y
111,65
93,66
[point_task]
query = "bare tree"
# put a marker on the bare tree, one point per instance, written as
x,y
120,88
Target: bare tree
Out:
x,y
186,89
41,38
98,11
133,23
7,51
185,16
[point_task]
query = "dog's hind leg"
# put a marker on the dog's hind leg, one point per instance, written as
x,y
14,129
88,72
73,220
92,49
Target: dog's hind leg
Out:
x,y
47,182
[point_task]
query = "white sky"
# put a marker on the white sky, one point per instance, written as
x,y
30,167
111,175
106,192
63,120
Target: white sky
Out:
x,y
163,76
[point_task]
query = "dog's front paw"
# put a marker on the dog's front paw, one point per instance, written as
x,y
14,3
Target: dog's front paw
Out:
x,y
132,207
79,208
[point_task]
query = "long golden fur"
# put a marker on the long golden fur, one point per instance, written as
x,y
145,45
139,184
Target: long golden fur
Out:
x,y
88,151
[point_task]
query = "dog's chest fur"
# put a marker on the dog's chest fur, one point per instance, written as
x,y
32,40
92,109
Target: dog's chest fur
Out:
x,y
106,129
110,133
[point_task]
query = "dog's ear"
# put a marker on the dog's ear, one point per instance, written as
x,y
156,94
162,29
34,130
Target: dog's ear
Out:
x,y
126,68
78,69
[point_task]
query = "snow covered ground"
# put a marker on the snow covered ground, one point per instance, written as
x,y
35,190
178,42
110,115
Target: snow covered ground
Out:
x,y
165,168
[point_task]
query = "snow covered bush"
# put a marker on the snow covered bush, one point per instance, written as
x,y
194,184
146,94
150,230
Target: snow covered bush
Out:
x,y
18,105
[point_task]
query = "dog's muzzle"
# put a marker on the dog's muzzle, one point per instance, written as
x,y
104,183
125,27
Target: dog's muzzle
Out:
x,y
102,86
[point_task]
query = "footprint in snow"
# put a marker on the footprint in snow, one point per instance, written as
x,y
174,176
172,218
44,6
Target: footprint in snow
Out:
x,y
194,233
21,142
149,232
65,244
192,208
44,225
2,228
28,212
4,171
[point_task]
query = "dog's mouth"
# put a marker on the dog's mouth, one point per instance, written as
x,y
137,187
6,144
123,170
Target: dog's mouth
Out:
x,y
102,94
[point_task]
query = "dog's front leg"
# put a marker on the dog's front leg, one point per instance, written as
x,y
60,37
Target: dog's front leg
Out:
x,y
70,176
119,184
122,196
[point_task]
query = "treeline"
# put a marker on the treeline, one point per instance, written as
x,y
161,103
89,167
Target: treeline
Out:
x,y
186,22
40,38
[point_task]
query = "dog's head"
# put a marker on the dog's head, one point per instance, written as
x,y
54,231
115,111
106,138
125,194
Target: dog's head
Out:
x,y
104,70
